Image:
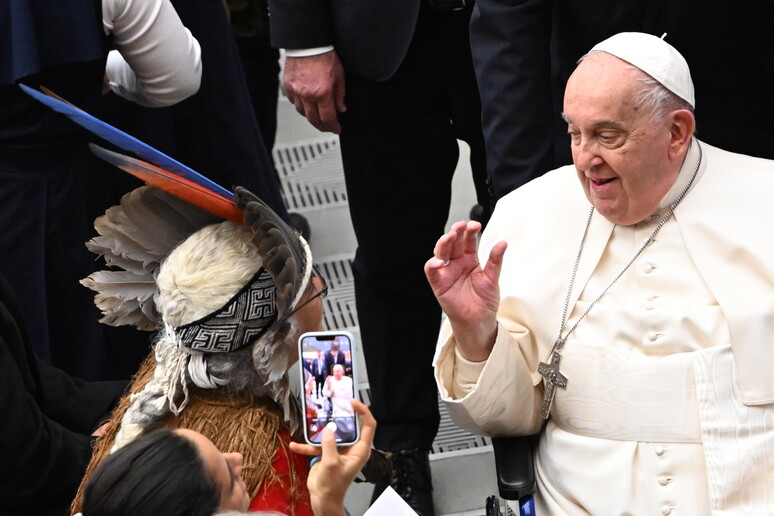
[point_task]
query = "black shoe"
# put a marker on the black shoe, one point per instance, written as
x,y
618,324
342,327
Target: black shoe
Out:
x,y
301,225
411,480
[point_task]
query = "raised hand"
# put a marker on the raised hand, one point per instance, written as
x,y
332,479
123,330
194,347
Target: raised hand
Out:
x,y
315,86
467,293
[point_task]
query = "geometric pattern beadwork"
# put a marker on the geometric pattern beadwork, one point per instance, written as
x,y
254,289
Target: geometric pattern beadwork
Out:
x,y
239,322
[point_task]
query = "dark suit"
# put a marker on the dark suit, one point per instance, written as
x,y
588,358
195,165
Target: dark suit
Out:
x,y
410,94
525,50
48,417
320,372
331,360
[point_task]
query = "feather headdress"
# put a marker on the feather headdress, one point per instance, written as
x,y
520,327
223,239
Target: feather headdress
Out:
x,y
136,237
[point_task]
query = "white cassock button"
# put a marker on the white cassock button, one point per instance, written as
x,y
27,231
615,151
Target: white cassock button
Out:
x,y
647,268
649,307
660,451
666,510
662,481
652,336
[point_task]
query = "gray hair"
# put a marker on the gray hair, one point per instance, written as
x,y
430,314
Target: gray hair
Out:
x,y
198,277
655,98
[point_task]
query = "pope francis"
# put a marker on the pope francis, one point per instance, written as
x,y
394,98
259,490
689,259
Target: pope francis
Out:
x,y
630,321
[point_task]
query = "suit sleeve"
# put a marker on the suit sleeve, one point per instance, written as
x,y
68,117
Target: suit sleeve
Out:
x,y
297,24
510,42
42,460
45,441
77,404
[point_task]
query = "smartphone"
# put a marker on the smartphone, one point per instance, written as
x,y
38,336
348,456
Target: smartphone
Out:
x,y
328,383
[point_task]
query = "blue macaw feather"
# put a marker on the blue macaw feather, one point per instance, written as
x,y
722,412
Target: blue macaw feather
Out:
x,y
125,141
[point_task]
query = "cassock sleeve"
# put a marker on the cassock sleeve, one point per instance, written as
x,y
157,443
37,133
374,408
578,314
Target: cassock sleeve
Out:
x,y
505,398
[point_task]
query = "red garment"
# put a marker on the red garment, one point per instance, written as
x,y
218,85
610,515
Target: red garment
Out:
x,y
276,496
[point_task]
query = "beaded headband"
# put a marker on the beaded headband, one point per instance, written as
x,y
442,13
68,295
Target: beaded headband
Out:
x,y
242,320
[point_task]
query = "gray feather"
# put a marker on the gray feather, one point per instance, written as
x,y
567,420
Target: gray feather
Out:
x,y
135,237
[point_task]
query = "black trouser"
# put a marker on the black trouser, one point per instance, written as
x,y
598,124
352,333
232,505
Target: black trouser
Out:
x,y
399,150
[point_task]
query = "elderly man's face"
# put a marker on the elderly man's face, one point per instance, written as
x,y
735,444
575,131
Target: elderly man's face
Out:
x,y
621,156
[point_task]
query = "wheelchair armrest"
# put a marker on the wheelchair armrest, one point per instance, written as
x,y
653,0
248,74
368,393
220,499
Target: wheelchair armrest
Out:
x,y
515,466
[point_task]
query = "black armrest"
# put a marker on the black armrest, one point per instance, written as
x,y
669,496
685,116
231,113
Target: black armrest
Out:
x,y
515,466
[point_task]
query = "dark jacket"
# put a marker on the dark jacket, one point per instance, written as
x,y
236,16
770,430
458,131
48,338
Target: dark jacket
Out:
x,y
371,37
48,417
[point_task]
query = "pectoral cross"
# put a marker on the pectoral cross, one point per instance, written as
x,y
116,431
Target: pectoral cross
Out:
x,y
554,378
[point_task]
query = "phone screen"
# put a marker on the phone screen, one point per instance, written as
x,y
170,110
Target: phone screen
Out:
x,y
328,384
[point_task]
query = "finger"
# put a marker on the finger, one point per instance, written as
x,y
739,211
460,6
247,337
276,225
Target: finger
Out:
x,y
312,114
338,96
472,229
433,267
287,87
328,115
298,103
305,449
289,94
367,430
459,227
495,262
367,421
329,451
459,245
443,246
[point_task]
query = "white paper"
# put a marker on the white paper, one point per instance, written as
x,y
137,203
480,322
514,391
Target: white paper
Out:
x,y
390,503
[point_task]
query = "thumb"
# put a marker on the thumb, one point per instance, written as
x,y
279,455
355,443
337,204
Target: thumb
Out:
x,y
495,263
329,451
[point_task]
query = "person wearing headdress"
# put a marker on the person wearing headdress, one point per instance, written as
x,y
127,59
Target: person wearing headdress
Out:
x,y
228,301
629,323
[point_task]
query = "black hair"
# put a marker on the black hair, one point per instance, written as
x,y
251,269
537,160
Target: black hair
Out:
x,y
160,473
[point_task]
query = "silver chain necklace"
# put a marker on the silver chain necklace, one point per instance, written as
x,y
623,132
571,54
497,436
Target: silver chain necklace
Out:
x,y
550,370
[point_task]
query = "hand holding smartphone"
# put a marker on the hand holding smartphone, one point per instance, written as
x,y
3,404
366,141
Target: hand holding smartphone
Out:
x,y
328,383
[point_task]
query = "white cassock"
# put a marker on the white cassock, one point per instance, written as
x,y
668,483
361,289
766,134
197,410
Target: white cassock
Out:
x,y
669,407
340,393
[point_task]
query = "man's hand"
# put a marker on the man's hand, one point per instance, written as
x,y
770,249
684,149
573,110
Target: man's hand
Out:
x,y
468,294
330,478
315,85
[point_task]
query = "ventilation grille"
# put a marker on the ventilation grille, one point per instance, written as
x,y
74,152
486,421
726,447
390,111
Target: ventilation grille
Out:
x,y
310,174
340,310
450,437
